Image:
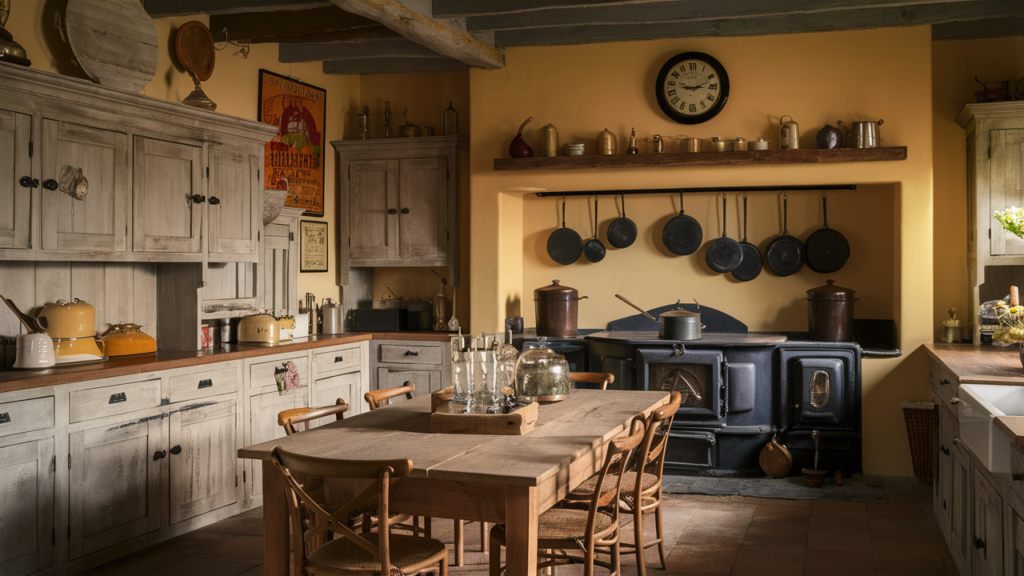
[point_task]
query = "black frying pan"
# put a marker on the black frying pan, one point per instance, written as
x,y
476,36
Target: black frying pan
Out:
x,y
724,254
622,230
785,253
594,250
683,234
564,244
751,265
827,249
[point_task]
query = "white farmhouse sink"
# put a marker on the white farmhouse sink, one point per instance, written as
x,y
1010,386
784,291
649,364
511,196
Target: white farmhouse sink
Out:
x,y
980,404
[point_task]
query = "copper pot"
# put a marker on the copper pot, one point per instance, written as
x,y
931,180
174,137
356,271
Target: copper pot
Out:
x,y
830,313
557,310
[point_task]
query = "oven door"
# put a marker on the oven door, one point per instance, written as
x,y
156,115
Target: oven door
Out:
x,y
696,374
821,389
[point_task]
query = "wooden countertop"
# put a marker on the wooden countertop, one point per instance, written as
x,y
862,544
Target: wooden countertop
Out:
x,y
983,364
11,380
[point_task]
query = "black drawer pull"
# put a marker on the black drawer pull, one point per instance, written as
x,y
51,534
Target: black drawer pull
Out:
x,y
176,450
119,397
50,184
943,382
5,418
160,454
392,211
1018,477
29,182
412,353
944,450
214,200
205,384
339,359
943,504
979,543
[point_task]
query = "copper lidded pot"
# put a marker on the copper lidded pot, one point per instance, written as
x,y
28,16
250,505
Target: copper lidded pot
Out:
x,y
830,313
557,310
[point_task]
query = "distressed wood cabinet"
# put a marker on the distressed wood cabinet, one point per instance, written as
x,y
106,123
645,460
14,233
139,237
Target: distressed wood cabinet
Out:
x,y
26,482
234,216
15,166
395,362
279,263
399,202
204,472
168,196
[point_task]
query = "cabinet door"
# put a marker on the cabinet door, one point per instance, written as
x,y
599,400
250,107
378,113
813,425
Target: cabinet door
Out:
x,y
988,528
263,426
960,543
99,221
423,213
203,465
233,195
167,175
373,213
15,164
348,387
26,482
1017,542
1006,187
426,380
277,269
942,492
115,484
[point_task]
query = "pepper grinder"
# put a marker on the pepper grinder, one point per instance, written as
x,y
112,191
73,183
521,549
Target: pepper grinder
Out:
x,y
951,332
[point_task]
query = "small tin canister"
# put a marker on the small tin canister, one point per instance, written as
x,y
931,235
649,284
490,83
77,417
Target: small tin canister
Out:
x,y
716,145
606,143
691,145
550,136
739,145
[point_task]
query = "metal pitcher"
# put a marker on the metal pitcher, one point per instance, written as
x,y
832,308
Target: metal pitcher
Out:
x,y
790,134
865,135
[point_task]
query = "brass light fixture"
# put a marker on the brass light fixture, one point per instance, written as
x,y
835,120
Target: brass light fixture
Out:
x,y
10,51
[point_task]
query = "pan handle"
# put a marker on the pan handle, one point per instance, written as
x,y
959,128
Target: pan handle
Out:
x,y
724,216
785,214
824,206
642,311
744,215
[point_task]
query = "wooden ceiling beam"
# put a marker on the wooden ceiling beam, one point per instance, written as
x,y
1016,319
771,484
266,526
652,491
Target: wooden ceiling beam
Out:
x,y
851,19
392,65
436,35
164,8
467,8
993,28
314,25
383,48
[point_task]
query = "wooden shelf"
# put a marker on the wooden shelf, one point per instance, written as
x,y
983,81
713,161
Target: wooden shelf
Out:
x,y
705,159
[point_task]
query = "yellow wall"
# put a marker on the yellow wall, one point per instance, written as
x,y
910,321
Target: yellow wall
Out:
x,y
955,64
583,89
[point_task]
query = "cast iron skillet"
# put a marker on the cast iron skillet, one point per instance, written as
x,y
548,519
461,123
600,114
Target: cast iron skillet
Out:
x,y
622,230
724,254
785,253
564,244
751,265
827,249
683,234
594,250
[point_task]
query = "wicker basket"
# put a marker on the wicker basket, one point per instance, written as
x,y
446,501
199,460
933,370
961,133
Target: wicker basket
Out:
x,y
920,418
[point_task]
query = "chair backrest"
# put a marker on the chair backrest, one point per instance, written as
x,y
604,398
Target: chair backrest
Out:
x,y
593,378
294,466
378,398
617,456
293,418
651,456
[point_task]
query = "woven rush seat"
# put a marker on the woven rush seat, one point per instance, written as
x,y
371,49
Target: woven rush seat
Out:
x,y
406,551
628,483
570,523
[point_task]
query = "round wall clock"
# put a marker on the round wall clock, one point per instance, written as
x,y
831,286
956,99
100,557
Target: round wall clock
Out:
x,y
692,87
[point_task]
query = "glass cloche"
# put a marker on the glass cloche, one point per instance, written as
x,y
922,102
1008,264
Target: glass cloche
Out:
x,y
542,375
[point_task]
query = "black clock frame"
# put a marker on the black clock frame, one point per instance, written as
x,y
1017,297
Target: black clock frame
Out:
x,y
670,111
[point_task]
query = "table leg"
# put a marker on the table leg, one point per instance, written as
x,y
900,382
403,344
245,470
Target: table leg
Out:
x,y
521,510
275,521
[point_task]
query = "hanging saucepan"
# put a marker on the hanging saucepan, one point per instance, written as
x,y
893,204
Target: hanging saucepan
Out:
x,y
622,230
564,244
724,254
594,250
750,267
785,253
827,249
683,234
678,324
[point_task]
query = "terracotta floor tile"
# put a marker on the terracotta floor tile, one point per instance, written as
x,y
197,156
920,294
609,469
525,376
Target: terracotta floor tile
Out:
x,y
767,568
195,566
901,524
240,548
849,524
856,560
830,508
773,551
773,512
785,531
257,571
895,511
925,549
909,566
833,540
702,563
906,535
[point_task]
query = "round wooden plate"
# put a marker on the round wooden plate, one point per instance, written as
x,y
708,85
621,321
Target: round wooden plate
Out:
x,y
114,41
193,45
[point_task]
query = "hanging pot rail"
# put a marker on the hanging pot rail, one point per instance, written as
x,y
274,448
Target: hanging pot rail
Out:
x,y
702,190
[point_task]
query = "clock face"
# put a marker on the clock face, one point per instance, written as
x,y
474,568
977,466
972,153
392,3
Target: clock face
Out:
x,y
692,88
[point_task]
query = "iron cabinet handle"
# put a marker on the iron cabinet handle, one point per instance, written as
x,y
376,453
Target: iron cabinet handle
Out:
x,y
954,400
392,211
119,397
160,454
1018,477
944,450
29,182
957,441
979,543
214,200
198,198
339,359
943,504
50,184
5,418
943,382
412,353
205,384
405,210
176,450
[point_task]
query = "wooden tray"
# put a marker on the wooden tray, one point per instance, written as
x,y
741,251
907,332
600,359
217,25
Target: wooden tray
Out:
x,y
519,422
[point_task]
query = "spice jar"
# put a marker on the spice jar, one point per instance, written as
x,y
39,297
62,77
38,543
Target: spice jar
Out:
x,y
557,310
830,313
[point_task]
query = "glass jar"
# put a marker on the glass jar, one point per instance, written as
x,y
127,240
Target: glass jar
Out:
x,y
543,375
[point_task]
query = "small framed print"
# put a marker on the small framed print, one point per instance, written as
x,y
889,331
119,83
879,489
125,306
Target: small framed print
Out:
x,y
313,246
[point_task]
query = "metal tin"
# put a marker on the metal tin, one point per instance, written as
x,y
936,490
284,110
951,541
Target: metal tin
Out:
x,y
739,145
830,313
557,309
716,145
549,134
659,144
790,134
761,144
330,314
691,144
606,143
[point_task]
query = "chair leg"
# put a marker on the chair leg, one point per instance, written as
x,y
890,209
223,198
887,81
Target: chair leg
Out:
x,y
444,567
588,561
616,565
484,538
426,526
638,540
550,570
495,558
459,556
661,537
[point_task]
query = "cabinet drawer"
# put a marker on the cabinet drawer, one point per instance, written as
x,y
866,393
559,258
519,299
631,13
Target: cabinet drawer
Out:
x,y
261,376
118,399
337,361
203,384
412,354
26,415
944,384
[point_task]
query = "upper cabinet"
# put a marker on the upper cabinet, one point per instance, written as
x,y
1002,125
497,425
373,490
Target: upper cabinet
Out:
x,y
168,196
16,184
235,217
399,202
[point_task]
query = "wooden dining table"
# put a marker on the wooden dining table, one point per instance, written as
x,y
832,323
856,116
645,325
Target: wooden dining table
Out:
x,y
506,480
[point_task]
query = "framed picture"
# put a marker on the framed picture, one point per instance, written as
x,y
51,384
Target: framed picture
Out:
x,y
312,246
294,158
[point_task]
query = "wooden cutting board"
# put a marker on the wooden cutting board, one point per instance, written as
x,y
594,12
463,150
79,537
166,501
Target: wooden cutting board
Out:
x,y
114,41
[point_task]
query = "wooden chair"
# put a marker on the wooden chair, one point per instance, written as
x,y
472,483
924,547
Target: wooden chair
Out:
x,y
350,553
592,378
289,419
589,525
379,398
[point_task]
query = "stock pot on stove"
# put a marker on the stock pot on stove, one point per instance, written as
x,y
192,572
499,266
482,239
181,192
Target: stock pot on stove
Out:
x,y
830,313
557,310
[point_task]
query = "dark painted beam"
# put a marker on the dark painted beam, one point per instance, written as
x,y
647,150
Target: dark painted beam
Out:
x,y
383,48
313,25
994,28
852,19
162,8
392,65
465,8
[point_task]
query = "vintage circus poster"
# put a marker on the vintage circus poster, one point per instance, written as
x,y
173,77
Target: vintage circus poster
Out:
x,y
294,158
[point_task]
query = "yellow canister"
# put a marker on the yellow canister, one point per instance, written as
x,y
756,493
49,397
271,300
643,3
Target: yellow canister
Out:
x,y
606,143
550,137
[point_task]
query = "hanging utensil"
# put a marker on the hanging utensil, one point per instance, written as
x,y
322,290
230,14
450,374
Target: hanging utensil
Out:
x,y
724,254
683,234
564,244
594,250
622,230
751,265
785,253
827,249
